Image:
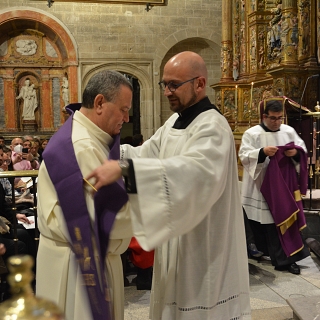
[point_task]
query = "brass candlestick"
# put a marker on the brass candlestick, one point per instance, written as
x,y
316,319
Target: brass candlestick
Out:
x,y
236,128
24,305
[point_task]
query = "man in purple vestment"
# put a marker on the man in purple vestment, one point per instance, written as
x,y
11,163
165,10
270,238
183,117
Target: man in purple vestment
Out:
x,y
83,232
259,144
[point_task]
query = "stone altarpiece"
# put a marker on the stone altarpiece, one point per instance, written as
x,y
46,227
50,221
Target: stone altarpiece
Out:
x,y
37,59
269,48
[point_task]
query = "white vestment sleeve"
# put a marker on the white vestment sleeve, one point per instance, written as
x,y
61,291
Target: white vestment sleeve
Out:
x,y
249,154
176,192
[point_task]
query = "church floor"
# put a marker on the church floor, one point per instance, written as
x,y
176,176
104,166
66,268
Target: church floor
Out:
x,y
269,291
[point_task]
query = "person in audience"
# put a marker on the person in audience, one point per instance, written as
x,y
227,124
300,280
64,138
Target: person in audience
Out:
x,y
185,202
34,150
7,212
43,144
71,235
137,140
22,160
271,197
27,137
2,141
8,152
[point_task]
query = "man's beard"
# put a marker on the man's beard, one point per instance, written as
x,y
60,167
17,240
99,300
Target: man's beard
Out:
x,y
181,107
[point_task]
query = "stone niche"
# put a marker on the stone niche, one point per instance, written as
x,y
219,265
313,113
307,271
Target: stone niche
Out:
x,y
37,58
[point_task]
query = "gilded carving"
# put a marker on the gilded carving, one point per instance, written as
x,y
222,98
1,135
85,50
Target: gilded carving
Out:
x,y
229,104
243,56
226,60
274,33
304,8
253,49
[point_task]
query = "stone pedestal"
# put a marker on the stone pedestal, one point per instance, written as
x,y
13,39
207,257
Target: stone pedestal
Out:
x,y
29,125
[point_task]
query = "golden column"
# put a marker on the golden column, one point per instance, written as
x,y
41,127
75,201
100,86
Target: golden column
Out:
x,y
226,43
289,32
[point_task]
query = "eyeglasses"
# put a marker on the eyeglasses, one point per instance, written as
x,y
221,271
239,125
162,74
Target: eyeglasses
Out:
x,y
272,118
7,161
173,86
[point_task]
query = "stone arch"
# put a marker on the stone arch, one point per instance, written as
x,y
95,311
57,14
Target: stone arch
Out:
x,y
51,33
179,40
40,20
146,90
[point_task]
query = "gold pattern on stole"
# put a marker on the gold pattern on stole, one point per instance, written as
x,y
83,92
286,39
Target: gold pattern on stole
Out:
x,y
77,233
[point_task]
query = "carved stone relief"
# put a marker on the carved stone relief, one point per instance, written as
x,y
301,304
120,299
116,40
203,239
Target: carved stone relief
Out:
x,y
26,47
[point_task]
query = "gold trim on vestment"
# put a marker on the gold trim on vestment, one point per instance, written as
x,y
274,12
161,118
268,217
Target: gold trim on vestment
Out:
x,y
286,224
302,227
297,195
89,279
291,254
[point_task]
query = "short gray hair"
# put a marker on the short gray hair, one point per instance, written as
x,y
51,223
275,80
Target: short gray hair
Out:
x,y
107,83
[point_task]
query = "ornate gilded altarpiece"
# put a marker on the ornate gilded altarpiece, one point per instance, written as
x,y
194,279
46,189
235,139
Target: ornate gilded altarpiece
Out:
x,y
269,48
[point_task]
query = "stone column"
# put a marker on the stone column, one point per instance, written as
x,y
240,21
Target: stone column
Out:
x,y
226,43
47,113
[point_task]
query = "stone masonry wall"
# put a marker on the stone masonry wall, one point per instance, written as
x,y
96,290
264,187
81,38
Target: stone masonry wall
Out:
x,y
127,37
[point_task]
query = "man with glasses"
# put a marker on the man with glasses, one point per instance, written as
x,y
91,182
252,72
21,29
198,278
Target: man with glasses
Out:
x,y
187,202
261,146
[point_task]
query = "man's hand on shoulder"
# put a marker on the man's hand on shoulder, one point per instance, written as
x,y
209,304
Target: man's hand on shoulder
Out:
x,y
291,152
270,151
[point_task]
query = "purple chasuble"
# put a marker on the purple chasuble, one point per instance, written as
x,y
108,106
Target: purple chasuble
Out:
x,y
282,189
66,176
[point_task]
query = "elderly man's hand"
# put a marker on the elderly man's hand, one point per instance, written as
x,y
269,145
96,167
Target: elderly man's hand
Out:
x,y
106,174
270,151
291,152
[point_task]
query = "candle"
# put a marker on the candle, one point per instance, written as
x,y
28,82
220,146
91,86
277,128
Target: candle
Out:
x,y
236,99
250,106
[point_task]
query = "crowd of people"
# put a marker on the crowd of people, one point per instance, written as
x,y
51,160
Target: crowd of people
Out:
x,y
176,193
23,153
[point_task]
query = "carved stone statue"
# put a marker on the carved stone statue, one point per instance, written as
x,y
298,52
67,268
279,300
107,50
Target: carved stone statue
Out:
x,y
65,91
30,102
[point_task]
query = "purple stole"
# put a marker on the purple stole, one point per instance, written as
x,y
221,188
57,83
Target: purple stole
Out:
x,y
66,176
282,190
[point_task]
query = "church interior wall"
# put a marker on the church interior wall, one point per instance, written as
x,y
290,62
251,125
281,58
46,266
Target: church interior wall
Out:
x,y
139,41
